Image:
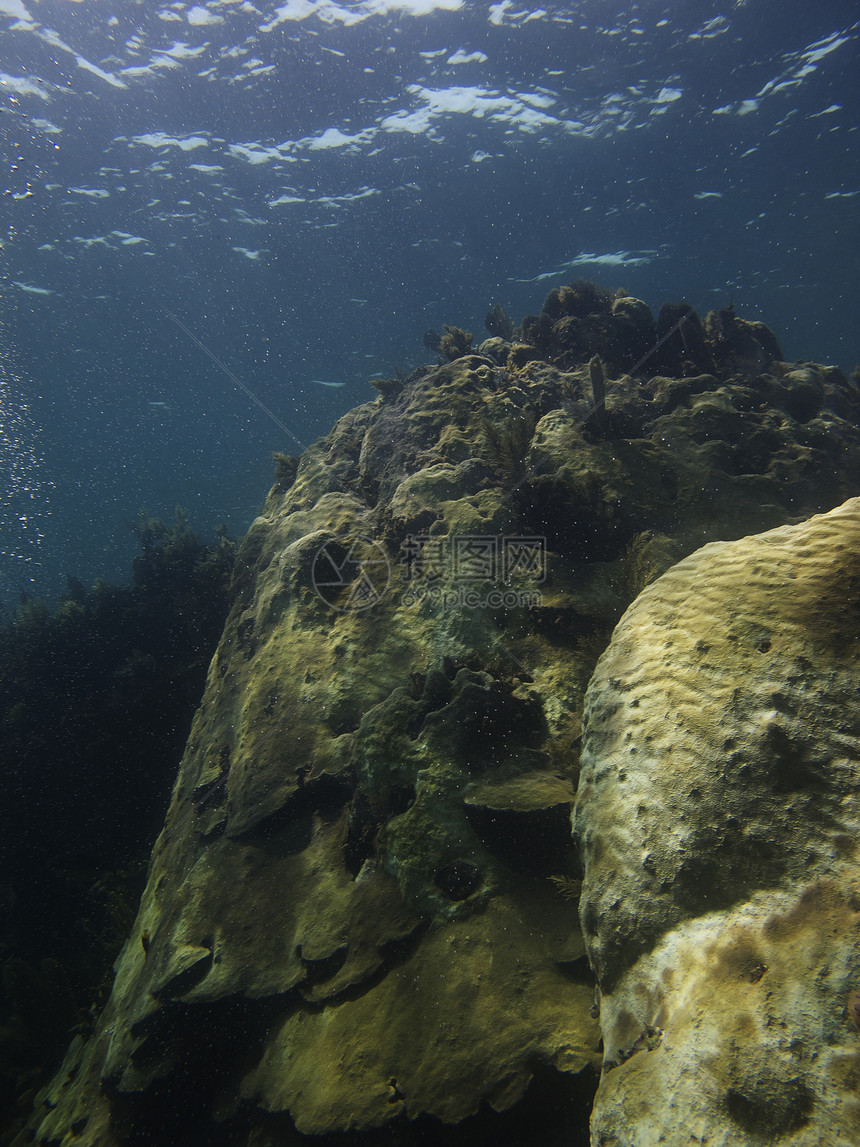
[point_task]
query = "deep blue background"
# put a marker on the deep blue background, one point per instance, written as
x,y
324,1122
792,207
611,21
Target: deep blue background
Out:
x,y
347,282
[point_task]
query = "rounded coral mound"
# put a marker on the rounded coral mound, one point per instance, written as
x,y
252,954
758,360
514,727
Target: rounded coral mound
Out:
x,y
361,909
719,812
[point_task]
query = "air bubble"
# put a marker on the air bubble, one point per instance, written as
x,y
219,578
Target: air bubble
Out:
x,y
23,493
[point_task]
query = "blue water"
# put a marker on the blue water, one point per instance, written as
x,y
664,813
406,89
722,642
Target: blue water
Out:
x,y
308,186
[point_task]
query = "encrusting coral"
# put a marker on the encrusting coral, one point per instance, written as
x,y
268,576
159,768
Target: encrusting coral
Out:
x,y
718,811
356,910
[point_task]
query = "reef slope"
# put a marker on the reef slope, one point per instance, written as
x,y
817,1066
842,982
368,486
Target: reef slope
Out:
x,y
362,907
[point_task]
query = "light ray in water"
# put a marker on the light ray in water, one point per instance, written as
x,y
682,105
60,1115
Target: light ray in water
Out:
x,y
233,378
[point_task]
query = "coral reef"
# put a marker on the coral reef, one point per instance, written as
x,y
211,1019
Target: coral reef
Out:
x,y
718,812
582,320
455,343
361,911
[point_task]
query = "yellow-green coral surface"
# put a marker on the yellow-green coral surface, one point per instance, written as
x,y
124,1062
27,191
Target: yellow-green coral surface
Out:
x,y
719,811
359,909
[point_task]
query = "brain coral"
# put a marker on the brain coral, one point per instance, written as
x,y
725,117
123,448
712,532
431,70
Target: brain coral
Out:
x,y
718,812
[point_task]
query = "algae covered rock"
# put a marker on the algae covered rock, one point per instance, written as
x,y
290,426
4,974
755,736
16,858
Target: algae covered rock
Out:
x,y
361,910
718,813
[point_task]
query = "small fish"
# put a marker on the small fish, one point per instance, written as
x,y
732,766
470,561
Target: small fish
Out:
x,y
32,290
325,382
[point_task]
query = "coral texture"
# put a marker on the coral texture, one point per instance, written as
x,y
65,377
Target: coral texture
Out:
x,y
719,817
360,909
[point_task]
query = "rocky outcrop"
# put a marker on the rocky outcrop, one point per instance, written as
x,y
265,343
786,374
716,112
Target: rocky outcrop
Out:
x,y
362,906
719,819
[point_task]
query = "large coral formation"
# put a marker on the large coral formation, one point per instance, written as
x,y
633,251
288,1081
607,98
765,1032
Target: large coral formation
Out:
x,y
359,909
719,813
583,320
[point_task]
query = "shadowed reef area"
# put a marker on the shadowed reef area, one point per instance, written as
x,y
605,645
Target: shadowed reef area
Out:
x,y
360,922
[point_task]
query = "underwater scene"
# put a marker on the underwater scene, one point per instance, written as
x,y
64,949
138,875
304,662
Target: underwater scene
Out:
x,y
429,574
